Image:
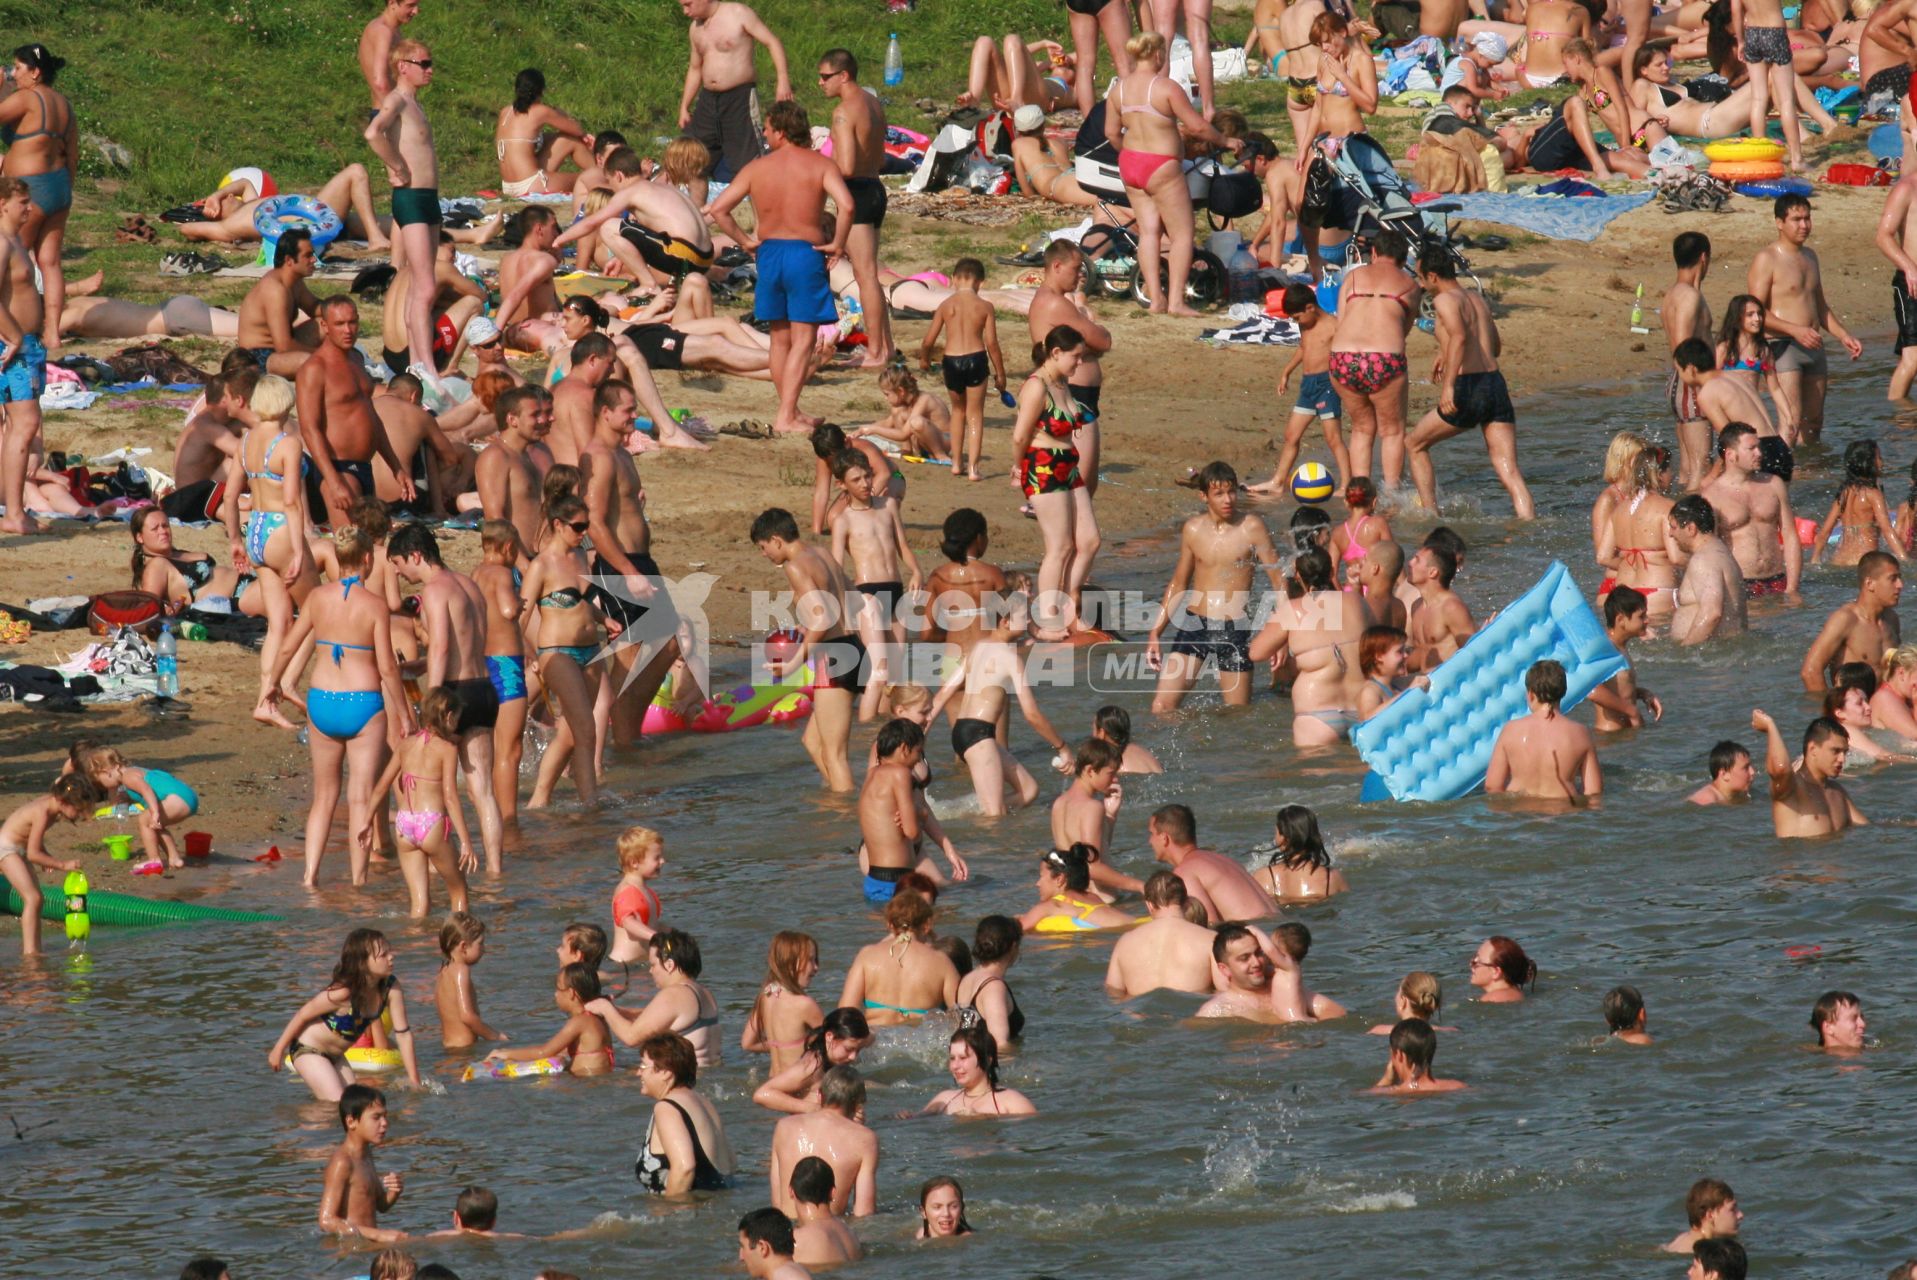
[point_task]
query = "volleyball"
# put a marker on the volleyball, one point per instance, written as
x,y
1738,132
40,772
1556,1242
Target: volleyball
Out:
x,y
1311,483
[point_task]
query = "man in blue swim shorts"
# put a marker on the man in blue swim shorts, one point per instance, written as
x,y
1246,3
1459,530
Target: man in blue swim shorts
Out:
x,y
788,187
23,360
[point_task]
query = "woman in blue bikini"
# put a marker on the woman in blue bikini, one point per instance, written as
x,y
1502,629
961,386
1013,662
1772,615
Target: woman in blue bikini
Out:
x,y
43,150
903,977
568,637
355,704
274,537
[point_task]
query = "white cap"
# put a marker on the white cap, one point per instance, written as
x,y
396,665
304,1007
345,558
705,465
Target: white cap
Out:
x,y
1491,45
1028,117
480,329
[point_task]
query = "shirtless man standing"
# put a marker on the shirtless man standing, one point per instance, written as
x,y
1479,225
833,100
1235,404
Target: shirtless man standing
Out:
x,y
1060,299
338,425
270,328
626,580
1725,401
1439,622
858,148
376,47
1166,951
1320,631
1808,800
789,189
1754,513
1544,755
1471,390
1225,889
819,609
513,467
573,395
1710,598
1785,277
401,138
23,356
837,1135
1897,240
1209,595
453,611
1376,579
1687,315
719,104
1862,631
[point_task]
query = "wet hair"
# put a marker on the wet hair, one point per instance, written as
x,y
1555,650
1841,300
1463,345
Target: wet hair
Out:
x,y
1861,467
1177,822
1826,1008
984,1047
1146,45
1094,754
774,522
679,947
907,913
1114,724
1312,568
37,57
1732,434
272,400
1508,958
1224,936
1071,865
1875,564
1445,560
1310,527
462,928
1855,675
845,1023
634,844
788,954
439,712
476,1208
1423,993
1446,537
1694,353
1622,1005
963,1228
1293,939
1724,757
353,975
393,1264
1374,644
1414,1038
589,940
204,1267
1721,1256
673,1054
354,1099
898,735
812,1181
996,938
1212,473
842,1089
686,160
1062,338
1689,247
1624,602
768,1226
1787,204
1650,463
529,86
1823,729
1195,913
1304,845
1166,889
789,120
288,247
1694,511
1838,694
1706,1196
962,528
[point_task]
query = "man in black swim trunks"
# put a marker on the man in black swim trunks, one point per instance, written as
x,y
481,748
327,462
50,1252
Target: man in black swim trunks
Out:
x,y
858,148
819,609
453,610
1897,240
1471,391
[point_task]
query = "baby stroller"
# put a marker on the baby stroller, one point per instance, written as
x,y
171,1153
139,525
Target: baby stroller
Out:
x,y
1352,185
1112,251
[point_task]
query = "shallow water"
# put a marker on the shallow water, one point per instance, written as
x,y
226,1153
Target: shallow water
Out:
x,y
1160,1142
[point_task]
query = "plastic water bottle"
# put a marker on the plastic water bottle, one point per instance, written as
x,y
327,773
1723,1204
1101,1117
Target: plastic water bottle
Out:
x,y
168,667
894,63
1243,271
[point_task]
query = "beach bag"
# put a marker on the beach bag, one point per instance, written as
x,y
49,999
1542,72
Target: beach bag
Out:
x,y
112,611
1234,194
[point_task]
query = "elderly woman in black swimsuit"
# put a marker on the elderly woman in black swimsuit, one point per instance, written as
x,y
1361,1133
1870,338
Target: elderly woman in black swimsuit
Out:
x,y
685,1148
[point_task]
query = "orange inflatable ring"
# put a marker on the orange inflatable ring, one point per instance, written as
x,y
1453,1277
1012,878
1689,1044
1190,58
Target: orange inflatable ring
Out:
x,y
1747,170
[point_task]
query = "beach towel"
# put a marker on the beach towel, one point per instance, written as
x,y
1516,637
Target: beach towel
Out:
x,y
1553,217
1262,331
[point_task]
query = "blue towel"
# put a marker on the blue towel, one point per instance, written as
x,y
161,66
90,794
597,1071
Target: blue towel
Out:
x,y
1553,217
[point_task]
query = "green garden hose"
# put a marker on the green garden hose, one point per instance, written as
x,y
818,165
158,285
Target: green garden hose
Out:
x,y
125,909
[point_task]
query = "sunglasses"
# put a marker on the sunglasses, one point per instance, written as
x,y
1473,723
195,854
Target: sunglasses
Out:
x,y
424,64
578,526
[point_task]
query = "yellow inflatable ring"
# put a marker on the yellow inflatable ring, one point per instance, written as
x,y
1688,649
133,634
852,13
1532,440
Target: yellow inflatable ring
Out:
x,y
1740,149
1747,170
373,1060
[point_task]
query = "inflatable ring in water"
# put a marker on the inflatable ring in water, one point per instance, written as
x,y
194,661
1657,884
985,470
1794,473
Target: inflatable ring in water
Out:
x,y
1778,187
740,708
1747,170
288,213
497,1070
373,1061
1744,149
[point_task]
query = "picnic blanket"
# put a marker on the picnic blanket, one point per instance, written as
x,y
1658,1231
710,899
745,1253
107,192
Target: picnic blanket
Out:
x,y
1553,217
1261,331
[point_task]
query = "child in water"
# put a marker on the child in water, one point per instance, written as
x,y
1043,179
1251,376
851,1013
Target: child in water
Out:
x,y
583,1039
354,1194
462,943
635,907
426,766
23,847
1317,397
582,944
1364,529
362,989
167,799
1860,511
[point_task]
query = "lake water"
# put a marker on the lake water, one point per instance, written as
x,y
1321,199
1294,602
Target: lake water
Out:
x,y
1162,1146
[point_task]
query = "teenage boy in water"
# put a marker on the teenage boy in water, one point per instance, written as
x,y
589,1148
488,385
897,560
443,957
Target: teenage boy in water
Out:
x,y
868,541
1731,776
1627,617
355,1193
1545,754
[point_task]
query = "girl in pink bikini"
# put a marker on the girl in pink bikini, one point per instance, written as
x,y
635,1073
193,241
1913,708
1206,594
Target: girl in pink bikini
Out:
x,y
1365,529
784,1016
426,767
